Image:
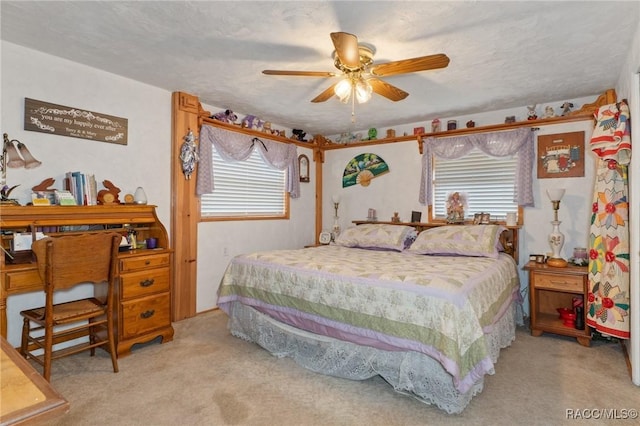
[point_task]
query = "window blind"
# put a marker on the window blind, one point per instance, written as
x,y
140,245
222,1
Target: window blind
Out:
x,y
249,188
486,182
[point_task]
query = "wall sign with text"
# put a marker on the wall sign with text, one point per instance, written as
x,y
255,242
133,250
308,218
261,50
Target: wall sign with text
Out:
x,y
46,117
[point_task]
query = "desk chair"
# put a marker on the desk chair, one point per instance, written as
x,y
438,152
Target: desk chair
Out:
x,y
65,262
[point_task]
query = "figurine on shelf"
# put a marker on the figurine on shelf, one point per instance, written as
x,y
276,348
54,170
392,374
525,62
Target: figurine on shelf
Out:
x,y
532,115
455,208
395,218
566,108
549,112
109,195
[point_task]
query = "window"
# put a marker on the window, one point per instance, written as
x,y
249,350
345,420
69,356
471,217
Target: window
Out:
x,y
248,189
487,182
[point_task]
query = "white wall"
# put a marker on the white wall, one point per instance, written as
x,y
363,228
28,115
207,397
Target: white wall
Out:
x,y
145,161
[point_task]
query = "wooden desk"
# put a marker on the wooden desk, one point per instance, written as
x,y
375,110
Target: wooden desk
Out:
x,y
143,308
26,396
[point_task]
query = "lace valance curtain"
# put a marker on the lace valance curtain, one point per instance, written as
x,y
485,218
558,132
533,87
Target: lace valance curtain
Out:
x,y
234,146
496,144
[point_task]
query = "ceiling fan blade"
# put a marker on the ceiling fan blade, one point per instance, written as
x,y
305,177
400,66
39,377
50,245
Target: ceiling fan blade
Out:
x,y
300,73
326,95
346,49
421,63
387,90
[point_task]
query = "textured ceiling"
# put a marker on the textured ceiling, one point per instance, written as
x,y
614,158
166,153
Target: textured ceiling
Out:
x,y
503,54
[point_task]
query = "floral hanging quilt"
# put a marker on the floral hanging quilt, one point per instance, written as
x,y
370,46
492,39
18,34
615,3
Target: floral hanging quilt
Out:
x,y
609,279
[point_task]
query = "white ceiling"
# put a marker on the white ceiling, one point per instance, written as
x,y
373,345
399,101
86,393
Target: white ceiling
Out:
x,y
503,54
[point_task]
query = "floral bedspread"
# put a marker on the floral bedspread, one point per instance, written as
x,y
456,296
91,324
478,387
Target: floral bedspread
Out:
x,y
437,305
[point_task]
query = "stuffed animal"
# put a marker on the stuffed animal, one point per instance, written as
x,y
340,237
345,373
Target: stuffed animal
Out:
x,y
532,115
566,108
549,112
298,134
227,116
252,122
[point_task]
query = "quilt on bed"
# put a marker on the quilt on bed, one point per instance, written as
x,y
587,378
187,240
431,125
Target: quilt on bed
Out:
x,y
437,305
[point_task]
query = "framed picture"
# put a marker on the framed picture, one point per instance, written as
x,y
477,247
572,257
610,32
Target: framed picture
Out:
x,y
303,167
485,218
416,217
561,155
477,218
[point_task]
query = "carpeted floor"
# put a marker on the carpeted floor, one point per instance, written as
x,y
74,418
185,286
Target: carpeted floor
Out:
x,y
208,377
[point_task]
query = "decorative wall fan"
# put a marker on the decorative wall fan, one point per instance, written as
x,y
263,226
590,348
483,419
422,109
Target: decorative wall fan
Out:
x,y
360,76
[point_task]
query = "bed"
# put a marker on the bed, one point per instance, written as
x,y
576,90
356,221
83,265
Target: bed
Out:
x,y
427,312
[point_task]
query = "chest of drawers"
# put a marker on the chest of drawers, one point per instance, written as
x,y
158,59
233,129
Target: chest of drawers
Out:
x,y
144,299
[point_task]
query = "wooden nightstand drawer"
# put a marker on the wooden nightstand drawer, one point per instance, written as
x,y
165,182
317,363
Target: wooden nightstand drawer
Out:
x,y
552,288
144,262
136,284
558,282
146,314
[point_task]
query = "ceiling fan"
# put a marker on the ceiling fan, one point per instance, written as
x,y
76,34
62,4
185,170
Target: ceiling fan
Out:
x,y
360,76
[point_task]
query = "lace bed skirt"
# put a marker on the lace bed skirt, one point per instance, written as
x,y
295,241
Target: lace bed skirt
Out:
x,y
409,373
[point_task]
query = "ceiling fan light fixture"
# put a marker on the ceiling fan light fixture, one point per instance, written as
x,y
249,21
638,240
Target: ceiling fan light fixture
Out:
x,y
343,90
363,90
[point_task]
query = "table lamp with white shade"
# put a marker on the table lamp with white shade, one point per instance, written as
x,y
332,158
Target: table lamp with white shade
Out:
x,y
556,238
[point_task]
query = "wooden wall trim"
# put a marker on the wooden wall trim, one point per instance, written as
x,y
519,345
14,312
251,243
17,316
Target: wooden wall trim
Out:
x,y
185,210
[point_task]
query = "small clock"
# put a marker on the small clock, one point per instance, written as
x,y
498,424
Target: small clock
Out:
x,y
325,237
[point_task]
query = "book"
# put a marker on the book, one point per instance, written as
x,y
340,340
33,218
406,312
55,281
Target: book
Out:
x,y
66,198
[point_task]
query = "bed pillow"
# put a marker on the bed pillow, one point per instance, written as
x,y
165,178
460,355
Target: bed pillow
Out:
x,y
462,240
378,236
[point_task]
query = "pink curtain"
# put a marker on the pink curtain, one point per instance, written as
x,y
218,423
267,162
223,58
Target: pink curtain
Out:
x,y
608,301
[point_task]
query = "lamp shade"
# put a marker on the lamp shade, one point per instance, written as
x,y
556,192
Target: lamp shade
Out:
x,y
29,161
363,91
12,157
343,90
555,194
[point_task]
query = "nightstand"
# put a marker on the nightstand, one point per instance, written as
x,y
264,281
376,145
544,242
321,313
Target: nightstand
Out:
x,y
552,288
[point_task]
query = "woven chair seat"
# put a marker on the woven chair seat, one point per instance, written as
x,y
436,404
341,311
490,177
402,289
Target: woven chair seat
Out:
x,y
70,311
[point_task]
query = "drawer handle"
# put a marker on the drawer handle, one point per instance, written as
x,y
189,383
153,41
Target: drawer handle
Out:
x,y
147,262
147,282
147,314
